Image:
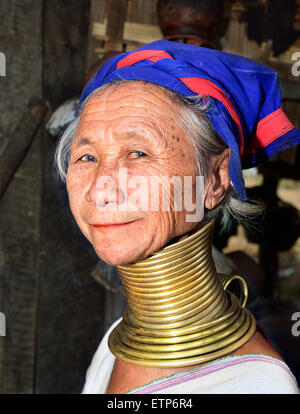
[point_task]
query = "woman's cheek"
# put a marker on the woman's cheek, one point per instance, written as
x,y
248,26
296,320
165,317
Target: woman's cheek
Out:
x,y
75,188
74,202
80,173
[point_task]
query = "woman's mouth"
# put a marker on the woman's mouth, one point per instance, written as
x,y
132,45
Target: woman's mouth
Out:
x,y
112,225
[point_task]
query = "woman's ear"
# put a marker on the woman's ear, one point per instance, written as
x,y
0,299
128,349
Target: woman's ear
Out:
x,y
219,179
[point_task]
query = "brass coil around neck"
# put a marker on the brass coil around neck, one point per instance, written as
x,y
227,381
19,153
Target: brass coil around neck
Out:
x,y
179,313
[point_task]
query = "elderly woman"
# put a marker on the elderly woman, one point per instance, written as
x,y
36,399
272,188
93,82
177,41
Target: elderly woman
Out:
x,y
155,152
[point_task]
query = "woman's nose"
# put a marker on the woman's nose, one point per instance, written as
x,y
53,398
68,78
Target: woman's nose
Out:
x,y
105,190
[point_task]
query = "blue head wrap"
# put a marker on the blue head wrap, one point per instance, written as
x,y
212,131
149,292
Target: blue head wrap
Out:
x,y
246,109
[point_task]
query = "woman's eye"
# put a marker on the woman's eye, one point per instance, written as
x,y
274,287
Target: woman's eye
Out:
x,y
137,154
87,158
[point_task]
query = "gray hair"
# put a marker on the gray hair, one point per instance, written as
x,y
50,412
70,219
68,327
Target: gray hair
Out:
x,y
206,141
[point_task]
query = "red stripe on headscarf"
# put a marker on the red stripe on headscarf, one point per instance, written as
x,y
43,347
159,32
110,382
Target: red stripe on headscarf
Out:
x,y
134,57
268,130
206,87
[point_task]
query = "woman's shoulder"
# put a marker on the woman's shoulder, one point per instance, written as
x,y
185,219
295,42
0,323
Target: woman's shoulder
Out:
x,y
267,369
258,344
254,368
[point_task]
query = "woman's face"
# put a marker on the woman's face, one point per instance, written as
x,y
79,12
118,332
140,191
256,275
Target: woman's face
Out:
x,y
126,148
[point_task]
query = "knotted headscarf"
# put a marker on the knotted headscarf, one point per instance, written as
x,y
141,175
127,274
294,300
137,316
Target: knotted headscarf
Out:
x,y
246,106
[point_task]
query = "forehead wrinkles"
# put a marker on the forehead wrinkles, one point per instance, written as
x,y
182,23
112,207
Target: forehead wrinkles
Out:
x,y
136,108
129,127
129,106
120,121
113,106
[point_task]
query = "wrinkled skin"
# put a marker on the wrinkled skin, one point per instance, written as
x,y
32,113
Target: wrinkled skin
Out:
x,y
133,127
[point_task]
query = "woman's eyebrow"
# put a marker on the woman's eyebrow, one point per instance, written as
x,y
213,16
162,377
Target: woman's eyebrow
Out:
x,y
82,141
138,134
129,134
124,135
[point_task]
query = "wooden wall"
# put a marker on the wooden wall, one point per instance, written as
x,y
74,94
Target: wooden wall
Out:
x,y
53,307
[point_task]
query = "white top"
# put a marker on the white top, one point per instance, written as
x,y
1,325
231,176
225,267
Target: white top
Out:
x,y
241,374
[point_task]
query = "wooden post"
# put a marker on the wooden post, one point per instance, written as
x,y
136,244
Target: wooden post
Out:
x,y
116,16
21,41
97,13
18,141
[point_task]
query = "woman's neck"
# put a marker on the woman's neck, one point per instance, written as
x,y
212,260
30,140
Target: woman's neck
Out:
x,y
178,311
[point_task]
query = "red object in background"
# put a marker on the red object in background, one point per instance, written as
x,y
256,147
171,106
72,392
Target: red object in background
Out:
x,y
194,22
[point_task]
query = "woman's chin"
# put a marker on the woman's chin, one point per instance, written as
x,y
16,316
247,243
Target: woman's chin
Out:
x,y
117,257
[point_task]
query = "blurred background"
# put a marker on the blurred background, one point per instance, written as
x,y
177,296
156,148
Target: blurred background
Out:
x,y
57,296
